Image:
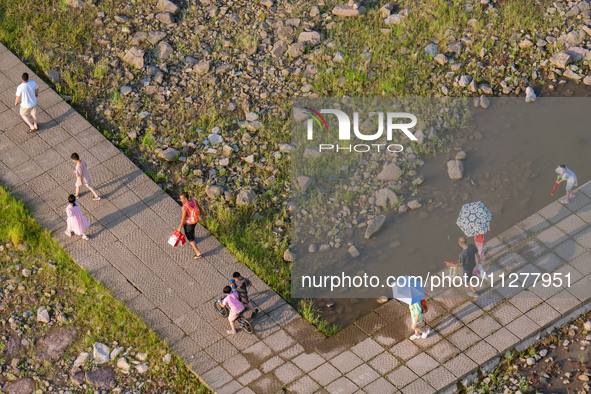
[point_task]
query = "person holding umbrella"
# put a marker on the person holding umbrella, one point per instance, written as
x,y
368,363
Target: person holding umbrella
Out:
x,y
468,259
474,220
410,291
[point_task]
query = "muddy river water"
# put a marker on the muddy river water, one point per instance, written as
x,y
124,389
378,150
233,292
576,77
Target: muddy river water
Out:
x,y
512,152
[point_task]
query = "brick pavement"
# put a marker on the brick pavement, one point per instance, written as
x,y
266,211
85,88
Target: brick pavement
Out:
x,y
173,294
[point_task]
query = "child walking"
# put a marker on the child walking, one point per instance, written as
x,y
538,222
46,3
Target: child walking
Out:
x,y
76,222
82,176
233,303
570,177
416,316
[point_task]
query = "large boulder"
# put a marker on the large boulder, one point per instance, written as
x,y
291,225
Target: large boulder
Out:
x,y
561,59
455,169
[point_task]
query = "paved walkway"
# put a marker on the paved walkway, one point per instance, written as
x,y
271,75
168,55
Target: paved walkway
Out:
x,y
174,294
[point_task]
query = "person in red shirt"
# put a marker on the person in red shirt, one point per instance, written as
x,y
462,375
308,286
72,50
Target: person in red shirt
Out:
x,y
233,303
189,218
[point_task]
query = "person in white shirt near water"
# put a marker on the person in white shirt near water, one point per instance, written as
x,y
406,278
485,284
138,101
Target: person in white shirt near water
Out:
x,y
568,176
26,96
190,216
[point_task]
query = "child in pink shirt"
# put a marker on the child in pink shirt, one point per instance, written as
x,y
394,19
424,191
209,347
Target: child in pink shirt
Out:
x,y
233,303
76,222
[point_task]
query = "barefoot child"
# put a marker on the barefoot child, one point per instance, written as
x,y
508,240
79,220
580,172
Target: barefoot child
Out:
x,y
233,303
416,316
570,177
76,222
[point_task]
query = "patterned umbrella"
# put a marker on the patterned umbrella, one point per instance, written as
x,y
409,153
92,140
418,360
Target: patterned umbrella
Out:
x,y
411,292
474,219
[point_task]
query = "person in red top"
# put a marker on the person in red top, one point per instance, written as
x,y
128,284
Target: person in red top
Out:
x,y
189,219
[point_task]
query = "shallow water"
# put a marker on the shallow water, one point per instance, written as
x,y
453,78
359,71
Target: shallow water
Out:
x,y
511,156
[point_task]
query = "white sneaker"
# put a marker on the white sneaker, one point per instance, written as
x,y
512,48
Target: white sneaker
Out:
x,y
472,294
96,198
84,237
414,336
426,333
68,233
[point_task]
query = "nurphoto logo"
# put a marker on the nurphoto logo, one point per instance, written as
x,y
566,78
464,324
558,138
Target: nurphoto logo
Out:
x,y
344,130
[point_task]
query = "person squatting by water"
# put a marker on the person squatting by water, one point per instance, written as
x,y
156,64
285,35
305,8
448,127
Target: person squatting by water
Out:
x,y
568,176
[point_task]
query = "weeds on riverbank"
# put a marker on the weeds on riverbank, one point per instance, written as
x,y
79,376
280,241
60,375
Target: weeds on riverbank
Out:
x,y
58,283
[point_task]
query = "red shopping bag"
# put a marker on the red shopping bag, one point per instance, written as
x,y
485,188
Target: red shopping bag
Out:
x,y
176,239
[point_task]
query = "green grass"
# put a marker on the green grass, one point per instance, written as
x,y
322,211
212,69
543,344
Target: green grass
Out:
x,y
91,308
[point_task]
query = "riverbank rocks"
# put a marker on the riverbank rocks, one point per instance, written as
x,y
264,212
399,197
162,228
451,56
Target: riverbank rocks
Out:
x,y
311,38
530,95
353,251
100,353
19,386
375,226
246,197
382,300
484,102
394,19
167,6
385,197
414,204
214,191
43,315
169,154
134,57
53,346
289,256
166,18
102,378
561,59
163,51
304,182
390,172
440,59
461,155
455,169
349,10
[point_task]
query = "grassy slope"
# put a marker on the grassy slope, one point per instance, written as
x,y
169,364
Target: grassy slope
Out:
x,y
90,307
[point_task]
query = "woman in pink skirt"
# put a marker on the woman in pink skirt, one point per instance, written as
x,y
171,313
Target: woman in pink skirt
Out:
x,y
76,221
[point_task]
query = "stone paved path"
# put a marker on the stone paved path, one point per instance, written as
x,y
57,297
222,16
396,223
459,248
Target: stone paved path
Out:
x,y
174,294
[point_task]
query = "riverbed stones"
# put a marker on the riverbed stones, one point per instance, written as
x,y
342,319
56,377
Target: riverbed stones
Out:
x,y
214,191
347,10
100,353
167,6
166,18
385,197
169,154
484,102
311,38
414,205
561,59
390,172
101,378
530,95
246,197
461,155
455,169
163,51
289,256
570,74
19,386
375,226
353,251
135,57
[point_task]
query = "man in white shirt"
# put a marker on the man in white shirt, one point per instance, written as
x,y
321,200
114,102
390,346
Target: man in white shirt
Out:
x,y
26,95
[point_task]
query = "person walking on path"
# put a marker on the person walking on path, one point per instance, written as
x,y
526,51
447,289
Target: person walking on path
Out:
x,y
416,316
469,257
82,176
570,177
232,302
76,222
242,285
26,94
189,218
